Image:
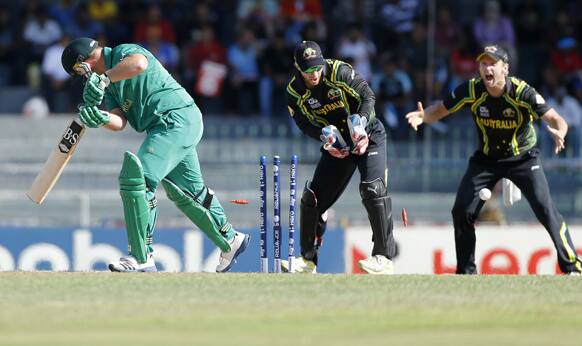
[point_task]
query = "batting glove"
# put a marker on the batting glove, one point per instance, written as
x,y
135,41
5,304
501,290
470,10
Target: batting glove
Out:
x,y
95,89
91,116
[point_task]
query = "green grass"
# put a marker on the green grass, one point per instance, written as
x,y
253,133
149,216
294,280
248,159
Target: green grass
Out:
x,y
253,309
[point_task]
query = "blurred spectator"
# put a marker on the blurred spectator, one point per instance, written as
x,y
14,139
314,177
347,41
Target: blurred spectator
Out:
x,y
83,25
531,22
40,31
447,34
413,53
189,28
357,11
55,86
397,18
257,8
301,17
301,10
166,52
493,28
244,72
7,37
153,18
205,48
566,59
106,12
393,97
174,10
400,15
276,65
258,15
102,10
463,65
63,11
527,23
130,11
116,31
550,82
313,30
571,111
563,25
358,48
205,70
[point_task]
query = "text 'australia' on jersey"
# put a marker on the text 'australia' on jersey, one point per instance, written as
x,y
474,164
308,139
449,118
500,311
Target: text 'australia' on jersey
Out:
x,y
147,97
505,123
340,93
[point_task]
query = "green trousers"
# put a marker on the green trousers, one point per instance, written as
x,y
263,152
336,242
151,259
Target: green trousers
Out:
x,y
169,151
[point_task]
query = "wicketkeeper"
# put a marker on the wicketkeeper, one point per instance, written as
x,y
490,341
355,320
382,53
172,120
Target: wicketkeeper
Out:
x,y
329,101
139,91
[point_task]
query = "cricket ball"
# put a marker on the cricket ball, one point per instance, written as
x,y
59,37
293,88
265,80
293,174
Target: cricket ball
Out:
x,y
484,194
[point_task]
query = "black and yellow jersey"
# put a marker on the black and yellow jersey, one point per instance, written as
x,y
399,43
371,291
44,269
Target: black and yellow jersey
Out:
x,y
505,123
340,93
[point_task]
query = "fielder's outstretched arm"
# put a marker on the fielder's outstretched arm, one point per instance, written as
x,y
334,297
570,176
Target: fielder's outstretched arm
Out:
x,y
430,115
557,127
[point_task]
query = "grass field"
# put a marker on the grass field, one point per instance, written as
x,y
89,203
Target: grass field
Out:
x,y
253,309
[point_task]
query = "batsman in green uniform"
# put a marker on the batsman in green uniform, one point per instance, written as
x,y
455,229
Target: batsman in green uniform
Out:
x,y
139,91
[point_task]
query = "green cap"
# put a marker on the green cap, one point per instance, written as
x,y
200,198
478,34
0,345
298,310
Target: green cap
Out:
x,y
77,51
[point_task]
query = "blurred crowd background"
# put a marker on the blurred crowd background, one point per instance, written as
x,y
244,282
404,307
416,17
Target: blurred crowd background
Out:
x,y
235,57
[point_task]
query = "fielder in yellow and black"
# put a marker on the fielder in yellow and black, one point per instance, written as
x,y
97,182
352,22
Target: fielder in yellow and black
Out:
x,y
329,101
504,109
139,91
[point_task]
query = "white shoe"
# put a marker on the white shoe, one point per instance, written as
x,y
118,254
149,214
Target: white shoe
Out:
x,y
574,273
129,264
300,265
377,264
238,244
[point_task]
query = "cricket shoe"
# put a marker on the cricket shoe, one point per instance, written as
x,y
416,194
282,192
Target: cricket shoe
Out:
x,y
128,264
300,265
377,264
238,244
574,273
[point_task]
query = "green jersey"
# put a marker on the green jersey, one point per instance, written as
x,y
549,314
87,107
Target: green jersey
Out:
x,y
147,97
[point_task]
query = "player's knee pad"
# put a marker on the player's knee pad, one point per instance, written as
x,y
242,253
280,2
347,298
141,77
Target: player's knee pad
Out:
x,y
308,198
137,209
197,209
372,189
379,208
175,194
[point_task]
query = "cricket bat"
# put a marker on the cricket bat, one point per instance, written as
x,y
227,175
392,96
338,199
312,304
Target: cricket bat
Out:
x,y
56,162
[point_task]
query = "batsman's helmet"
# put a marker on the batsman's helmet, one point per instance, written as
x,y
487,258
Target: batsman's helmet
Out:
x,y
77,51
